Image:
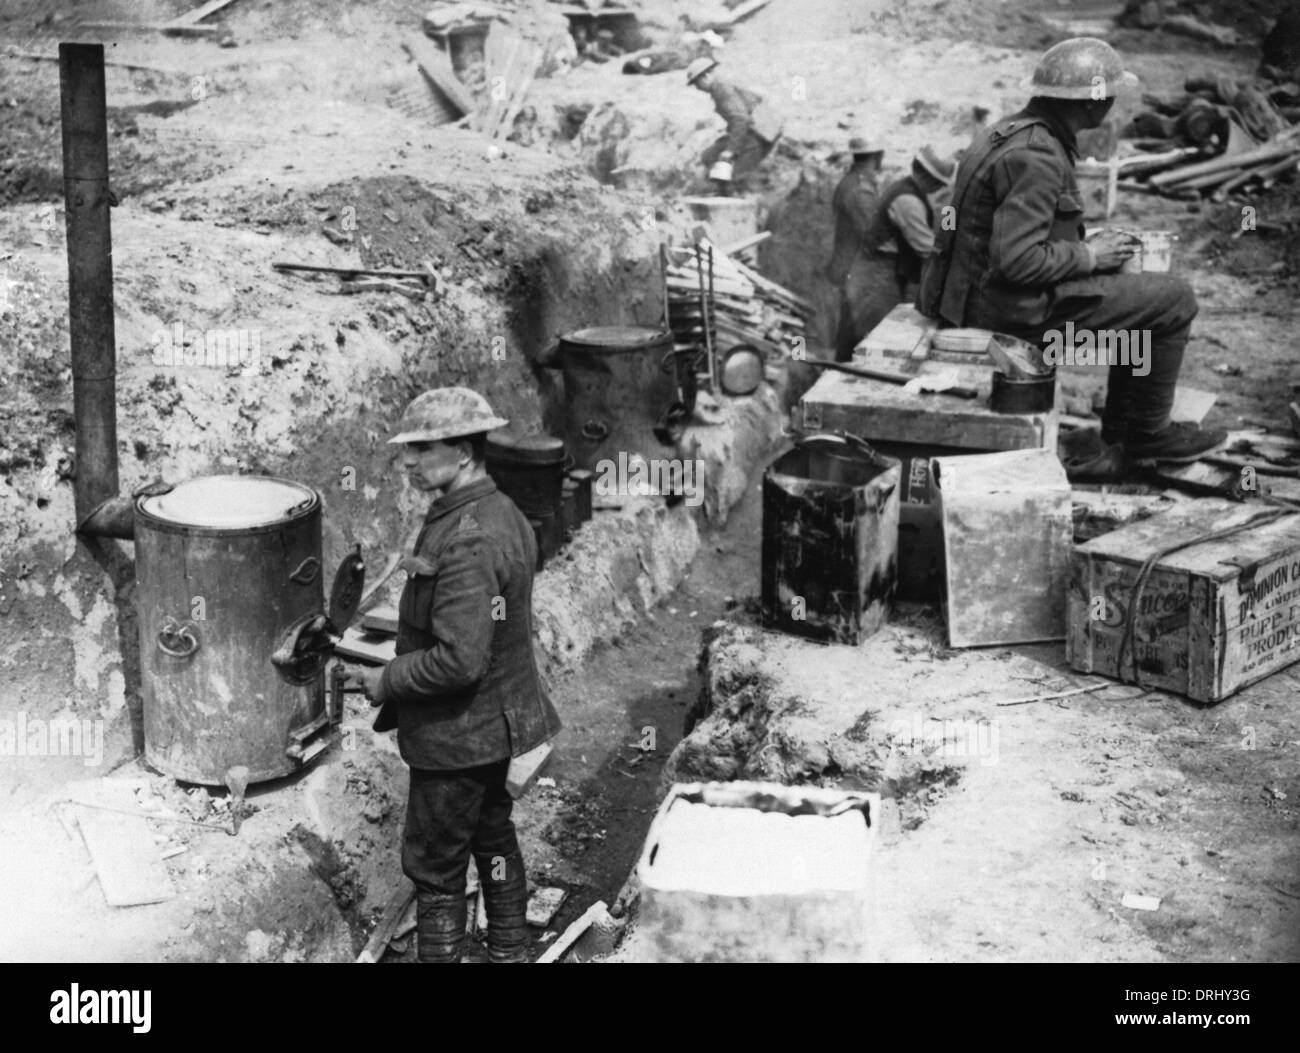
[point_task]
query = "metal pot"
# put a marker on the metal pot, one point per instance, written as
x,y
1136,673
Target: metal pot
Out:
x,y
1023,395
225,566
741,371
616,388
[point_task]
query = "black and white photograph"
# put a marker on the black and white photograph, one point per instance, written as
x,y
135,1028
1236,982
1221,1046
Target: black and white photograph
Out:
x,y
650,481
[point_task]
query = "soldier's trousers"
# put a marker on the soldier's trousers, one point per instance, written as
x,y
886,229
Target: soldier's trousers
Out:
x,y
451,814
1156,309
870,292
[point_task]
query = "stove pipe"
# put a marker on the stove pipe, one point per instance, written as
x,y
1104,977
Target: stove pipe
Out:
x,y
100,510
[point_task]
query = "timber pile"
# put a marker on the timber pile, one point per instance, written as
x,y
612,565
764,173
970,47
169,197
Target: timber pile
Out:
x,y
744,308
1219,137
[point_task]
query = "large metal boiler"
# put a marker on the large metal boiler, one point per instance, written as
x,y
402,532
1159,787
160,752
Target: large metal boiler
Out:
x,y
232,626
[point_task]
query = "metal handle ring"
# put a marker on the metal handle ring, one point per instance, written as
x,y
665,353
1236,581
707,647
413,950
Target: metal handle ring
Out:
x,y
173,631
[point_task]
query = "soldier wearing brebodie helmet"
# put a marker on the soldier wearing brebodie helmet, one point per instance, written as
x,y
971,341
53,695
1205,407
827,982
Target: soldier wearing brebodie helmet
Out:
x,y
463,692
1015,259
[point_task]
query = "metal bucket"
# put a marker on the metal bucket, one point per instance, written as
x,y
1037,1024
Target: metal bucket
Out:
x,y
618,383
830,539
529,469
225,565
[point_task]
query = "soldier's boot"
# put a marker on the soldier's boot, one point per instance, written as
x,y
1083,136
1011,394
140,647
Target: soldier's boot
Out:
x,y
505,897
440,921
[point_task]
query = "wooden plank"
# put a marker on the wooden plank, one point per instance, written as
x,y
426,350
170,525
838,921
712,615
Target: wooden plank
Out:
x,y
571,934
745,243
379,650
167,29
437,68
743,11
200,13
1283,145
35,57
125,858
397,907
382,619
903,333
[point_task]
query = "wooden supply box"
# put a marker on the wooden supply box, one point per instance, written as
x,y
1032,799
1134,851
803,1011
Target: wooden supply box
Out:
x,y
725,880
1007,523
1212,618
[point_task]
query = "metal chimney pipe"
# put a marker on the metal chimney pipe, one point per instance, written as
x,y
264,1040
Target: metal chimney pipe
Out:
x,y
99,509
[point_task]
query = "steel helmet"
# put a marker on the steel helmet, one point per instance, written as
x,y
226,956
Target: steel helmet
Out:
x,y
699,67
446,413
861,143
1081,68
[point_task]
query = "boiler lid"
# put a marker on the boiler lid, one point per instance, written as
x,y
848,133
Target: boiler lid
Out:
x,y
229,501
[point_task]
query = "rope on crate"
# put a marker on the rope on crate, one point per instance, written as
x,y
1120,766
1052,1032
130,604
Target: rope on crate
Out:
x,y
1134,603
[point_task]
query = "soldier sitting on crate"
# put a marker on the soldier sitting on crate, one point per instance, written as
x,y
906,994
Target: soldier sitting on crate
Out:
x,y
463,691
1013,258
753,127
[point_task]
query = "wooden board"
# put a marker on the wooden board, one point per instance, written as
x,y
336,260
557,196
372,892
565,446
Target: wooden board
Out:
x,y
379,650
200,13
397,907
125,857
903,333
380,620
437,68
1214,617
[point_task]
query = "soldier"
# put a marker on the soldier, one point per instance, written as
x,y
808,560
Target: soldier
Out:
x,y
852,269
1015,258
463,691
753,127
904,224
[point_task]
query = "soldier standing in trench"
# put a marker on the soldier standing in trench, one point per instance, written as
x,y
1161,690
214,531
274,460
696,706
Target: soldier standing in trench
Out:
x,y
463,692
851,268
882,238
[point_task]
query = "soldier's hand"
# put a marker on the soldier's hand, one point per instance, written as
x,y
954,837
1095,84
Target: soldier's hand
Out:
x,y
1112,249
368,680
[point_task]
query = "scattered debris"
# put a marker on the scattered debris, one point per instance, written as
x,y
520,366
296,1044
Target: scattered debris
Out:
x,y
544,904
1136,902
121,846
1055,695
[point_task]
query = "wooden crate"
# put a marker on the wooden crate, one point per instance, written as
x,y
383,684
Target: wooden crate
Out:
x,y
755,889
1212,618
